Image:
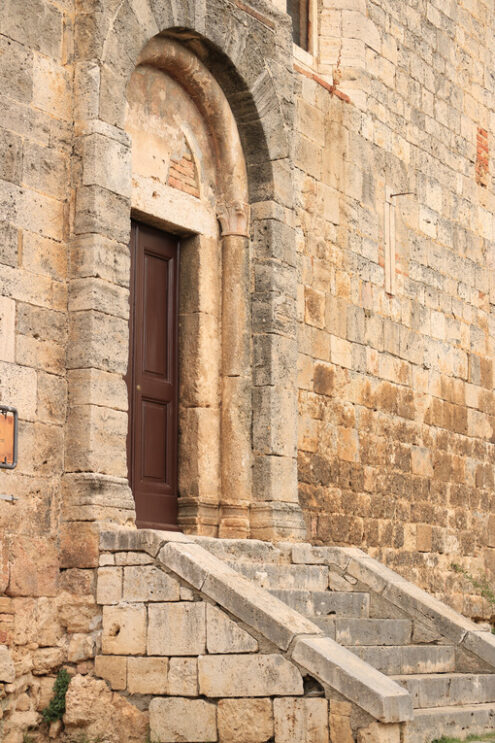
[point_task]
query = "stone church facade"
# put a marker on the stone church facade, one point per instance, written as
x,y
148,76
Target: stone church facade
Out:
x,y
251,279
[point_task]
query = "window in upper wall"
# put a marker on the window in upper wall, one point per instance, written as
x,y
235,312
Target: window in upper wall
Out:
x,y
299,12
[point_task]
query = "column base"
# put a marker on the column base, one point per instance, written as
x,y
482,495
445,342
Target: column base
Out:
x,y
275,521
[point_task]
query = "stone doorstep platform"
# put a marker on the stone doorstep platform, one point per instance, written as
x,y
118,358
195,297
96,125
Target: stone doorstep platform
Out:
x,y
203,564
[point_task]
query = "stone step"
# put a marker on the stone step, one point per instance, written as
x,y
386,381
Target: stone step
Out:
x,y
323,603
452,722
252,550
352,631
408,659
448,689
283,577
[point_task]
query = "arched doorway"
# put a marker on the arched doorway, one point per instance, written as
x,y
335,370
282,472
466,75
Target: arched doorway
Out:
x,y
189,180
256,477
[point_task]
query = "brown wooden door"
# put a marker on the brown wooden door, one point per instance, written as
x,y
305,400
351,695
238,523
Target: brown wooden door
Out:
x,y
153,376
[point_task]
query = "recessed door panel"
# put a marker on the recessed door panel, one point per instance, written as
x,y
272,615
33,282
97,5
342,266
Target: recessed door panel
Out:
x,y
155,315
154,441
153,376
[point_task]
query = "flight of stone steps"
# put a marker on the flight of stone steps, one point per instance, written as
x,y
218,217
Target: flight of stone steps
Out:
x,y
453,691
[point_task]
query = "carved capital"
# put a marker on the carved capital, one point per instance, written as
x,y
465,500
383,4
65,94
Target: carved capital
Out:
x,y
233,218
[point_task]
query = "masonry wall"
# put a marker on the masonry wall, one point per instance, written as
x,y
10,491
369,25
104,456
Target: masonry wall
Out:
x,y
35,212
396,428
396,407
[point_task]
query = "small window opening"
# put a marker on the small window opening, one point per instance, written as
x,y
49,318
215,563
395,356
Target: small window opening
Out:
x,y
299,12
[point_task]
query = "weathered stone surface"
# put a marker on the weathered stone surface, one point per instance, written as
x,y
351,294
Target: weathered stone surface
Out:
x,y
177,628
301,720
7,670
183,677
176,719
109,585
224,636
147,675
245,720
247,676
124,630
35,566
145,583
112,668
94,711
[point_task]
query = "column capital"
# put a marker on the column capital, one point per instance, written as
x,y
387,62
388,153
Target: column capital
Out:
x,y
234,218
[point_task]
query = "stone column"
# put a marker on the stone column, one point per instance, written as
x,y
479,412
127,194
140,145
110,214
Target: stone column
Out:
x,y
236,450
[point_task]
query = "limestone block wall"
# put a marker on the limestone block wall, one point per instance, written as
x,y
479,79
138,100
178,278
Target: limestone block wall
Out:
x,y
200,675
396,404
35,213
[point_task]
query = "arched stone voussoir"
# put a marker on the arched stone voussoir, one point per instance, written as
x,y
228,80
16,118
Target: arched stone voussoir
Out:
x,y
175,13
241,49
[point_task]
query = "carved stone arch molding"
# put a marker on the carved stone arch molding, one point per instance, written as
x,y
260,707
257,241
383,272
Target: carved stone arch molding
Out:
x,y
233,64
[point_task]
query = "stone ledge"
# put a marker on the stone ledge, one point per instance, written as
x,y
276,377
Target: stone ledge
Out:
x,y
344,671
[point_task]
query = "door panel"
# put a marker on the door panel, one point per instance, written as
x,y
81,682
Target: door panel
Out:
x,y
153,376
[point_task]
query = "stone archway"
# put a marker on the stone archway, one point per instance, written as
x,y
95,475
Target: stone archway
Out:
x,y
228,200
261,367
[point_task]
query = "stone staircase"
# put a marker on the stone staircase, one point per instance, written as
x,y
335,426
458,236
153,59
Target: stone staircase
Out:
x,y
452,688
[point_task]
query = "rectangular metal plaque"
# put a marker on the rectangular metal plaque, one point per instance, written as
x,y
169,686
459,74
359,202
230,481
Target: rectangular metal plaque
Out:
x,y
8,437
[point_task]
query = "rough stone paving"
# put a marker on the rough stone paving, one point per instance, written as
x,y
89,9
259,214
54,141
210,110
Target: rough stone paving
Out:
x,y
335,210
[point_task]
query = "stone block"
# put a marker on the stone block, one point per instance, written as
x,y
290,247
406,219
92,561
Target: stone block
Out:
x,y
51,87
245,720
81,648
109,586
9,244
112,668
7,670
178,719
79,545
96,440
177,628
52,398
224,636
46,257
183,677
379,733
301,720
10,157
106,163
47,660
99,341
16,70
34,567
102,211
147,675
275,479
340,727
37,26
248,676
148,583
7,329
132,558
124,630
18,386
96,294
45,170
96,255
92,496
